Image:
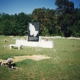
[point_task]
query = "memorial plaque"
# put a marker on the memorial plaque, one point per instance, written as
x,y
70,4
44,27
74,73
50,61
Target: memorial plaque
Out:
x,y
33,31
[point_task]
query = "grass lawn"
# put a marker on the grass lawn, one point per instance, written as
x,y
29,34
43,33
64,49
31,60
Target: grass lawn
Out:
x,y
64,62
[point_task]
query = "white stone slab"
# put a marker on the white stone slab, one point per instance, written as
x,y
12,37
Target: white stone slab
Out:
x,y
42,43
15,45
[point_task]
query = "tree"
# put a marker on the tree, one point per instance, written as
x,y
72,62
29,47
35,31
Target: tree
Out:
x,y
7,28
76,24
64,6
65,10
46,17
14,24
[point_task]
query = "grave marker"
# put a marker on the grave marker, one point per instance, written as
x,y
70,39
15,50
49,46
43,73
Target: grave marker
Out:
x,y
33,31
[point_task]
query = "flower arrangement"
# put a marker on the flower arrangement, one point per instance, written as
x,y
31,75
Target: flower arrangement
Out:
x,y
9,61
5,40
47,39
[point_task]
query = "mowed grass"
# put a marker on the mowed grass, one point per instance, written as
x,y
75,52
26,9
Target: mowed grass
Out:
x,y
64,63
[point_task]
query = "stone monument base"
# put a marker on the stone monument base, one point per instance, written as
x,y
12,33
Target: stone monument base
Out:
x,y
41,43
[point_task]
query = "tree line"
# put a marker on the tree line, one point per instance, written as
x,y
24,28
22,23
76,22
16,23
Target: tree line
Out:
x,y
63,21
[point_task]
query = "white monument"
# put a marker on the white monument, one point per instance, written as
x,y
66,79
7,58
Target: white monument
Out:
x,y
34,40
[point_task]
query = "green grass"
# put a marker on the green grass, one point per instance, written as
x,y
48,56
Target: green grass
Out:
x,y
64,63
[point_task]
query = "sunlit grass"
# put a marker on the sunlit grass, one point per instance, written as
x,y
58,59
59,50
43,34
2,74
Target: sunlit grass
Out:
x,y
64,63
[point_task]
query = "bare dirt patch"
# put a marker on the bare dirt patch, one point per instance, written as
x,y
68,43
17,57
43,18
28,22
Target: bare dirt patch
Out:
x,y
33,57
21,58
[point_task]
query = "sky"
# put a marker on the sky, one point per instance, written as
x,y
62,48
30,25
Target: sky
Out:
x,y
27,6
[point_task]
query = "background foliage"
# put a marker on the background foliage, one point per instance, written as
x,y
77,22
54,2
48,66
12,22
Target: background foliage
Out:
x,y
64,21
